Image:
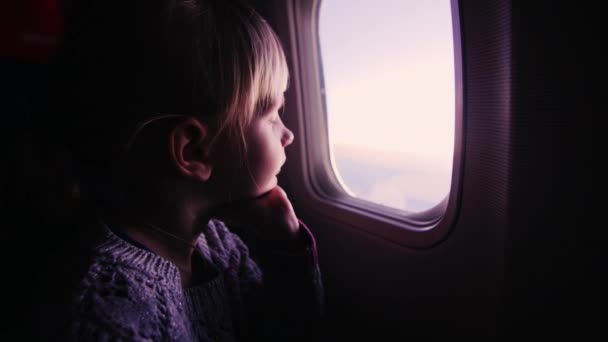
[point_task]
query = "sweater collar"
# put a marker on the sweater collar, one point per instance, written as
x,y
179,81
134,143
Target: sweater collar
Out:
x,y
136,255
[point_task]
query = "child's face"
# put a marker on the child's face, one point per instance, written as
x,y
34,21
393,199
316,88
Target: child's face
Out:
x,y
266,140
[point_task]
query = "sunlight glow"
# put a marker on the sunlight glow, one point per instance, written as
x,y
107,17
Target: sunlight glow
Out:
x,y
389,85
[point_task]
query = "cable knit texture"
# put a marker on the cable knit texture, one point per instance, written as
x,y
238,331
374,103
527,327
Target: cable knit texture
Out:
x,y
129,293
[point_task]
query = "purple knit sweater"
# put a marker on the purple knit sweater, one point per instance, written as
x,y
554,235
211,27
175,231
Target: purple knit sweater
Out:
x,y
131,293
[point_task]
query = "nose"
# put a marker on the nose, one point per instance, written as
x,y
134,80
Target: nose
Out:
x,y
287,137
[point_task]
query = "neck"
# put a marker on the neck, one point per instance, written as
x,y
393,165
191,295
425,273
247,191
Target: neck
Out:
x,y
172,236
162,242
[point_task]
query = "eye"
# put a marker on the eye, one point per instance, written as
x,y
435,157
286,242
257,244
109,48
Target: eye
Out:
x,y
276,121
277,116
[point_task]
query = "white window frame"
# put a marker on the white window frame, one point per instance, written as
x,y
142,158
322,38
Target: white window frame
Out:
x,y
310,176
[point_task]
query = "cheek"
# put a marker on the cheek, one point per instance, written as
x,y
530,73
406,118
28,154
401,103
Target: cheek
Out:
x,y
261,159
265,155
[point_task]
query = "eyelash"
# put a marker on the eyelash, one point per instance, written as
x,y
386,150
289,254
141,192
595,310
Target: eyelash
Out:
x,y
279,116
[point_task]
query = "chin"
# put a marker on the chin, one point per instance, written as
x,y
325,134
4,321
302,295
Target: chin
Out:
x,y
271,184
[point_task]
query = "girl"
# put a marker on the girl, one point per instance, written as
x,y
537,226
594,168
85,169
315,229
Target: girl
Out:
x,y
170,114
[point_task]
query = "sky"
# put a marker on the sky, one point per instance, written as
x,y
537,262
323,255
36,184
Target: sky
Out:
x,y
389,75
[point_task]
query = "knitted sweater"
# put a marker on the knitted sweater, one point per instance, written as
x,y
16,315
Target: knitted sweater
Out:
x,y
130,293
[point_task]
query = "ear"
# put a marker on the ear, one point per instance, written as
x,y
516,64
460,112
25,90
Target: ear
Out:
x,y
188,149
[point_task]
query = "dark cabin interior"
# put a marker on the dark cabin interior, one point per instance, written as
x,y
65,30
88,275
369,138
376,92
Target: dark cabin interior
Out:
x,y
530,170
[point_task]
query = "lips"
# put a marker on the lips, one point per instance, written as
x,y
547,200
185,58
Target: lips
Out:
x,y
282,163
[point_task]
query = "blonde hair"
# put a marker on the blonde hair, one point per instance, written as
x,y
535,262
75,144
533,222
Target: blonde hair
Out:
x,y
251,73
216,60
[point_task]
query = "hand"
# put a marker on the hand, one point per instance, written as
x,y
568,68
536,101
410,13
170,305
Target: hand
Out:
x,y
271,214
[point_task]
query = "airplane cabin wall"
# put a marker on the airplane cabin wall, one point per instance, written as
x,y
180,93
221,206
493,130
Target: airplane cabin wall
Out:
x,y
507,267
523,258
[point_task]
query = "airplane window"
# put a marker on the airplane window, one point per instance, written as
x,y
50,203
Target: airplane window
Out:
x,y
388,70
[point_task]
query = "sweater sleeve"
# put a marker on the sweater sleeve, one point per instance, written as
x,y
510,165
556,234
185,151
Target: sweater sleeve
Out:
x,y
289,304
